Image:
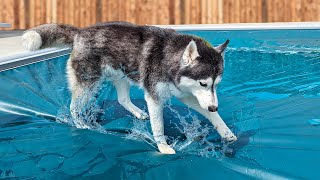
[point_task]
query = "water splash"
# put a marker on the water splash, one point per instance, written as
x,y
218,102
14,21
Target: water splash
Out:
x,y
195,135
86,115
140,131
195,139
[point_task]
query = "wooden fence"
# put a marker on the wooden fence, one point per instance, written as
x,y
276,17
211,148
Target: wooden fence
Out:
x,y
23,14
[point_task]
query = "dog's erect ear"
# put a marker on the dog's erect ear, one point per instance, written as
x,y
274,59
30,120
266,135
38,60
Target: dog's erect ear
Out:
x,y
220,49
190,54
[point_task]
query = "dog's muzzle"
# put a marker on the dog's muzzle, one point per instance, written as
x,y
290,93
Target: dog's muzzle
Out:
x,y
212,108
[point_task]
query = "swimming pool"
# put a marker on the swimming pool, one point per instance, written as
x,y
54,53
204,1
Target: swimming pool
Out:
x,y
269,95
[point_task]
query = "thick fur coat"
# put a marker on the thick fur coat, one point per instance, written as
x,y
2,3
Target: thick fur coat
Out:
x,y
161,61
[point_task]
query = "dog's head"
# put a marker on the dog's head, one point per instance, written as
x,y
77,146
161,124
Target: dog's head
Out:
x,y
201,71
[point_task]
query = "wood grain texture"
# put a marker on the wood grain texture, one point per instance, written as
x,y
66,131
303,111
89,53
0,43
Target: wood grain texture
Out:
x,y
83,13
23,14
177,12
32,13
220,12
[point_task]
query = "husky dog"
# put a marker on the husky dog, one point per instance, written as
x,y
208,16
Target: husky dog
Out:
x,y
162,62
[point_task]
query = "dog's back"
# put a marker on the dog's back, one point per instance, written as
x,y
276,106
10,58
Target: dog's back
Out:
x,y
120,45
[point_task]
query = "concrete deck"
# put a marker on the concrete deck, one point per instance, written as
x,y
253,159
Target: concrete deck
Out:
x,y
10,43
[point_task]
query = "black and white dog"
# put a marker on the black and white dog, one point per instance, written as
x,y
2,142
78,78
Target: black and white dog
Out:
x,y
160,61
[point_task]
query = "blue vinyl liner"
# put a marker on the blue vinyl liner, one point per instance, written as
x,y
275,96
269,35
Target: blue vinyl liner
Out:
x,y
269,96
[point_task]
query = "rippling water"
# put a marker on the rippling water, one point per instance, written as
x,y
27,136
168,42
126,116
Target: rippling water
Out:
x,y
268,95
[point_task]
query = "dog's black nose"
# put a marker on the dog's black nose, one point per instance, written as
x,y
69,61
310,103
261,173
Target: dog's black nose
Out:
x,y
212,108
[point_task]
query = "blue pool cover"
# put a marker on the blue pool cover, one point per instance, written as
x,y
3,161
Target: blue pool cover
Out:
x,y
269,96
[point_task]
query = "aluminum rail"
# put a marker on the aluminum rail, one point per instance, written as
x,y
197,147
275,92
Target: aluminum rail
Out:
x,y
23,59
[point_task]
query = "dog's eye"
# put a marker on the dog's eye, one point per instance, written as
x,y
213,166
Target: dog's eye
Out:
x,y
203,84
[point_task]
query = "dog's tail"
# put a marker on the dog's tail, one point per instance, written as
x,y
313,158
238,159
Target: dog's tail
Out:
x,y
49,35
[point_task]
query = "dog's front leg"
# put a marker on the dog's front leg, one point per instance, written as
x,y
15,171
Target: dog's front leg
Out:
x,y
155,109
213,117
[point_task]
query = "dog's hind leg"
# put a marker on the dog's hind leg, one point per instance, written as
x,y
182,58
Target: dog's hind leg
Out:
x,y
80,96
123,92
156,120
213,117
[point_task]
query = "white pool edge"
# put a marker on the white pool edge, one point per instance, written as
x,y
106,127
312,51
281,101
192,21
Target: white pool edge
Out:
x,y
23,59
245,26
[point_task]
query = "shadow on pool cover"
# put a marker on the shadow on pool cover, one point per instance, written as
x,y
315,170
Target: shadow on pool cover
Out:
x,y
269,115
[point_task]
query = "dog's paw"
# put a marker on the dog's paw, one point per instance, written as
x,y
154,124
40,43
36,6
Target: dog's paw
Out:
x,y
166,149
230,138
142,115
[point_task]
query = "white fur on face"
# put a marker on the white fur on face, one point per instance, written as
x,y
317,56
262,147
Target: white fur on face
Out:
x,y
216,82
205,95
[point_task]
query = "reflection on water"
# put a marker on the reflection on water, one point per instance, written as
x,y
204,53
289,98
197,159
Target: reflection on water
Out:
x,y
268,98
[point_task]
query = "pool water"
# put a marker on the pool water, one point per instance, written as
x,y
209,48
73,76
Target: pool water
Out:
x,y
269,96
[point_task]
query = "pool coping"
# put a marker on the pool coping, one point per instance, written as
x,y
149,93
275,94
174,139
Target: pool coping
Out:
x,y
246,26
23,59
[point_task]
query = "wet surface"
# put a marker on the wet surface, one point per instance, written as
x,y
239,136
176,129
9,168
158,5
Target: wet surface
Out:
x,y
269,97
